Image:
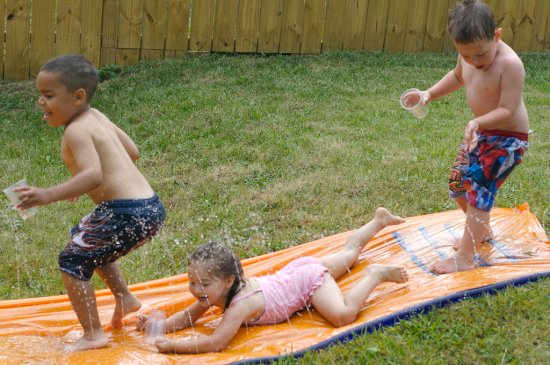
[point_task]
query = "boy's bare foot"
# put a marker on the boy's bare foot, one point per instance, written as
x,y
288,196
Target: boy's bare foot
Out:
x,y
395,274
99,340
385,218
124,306
453,263
488,237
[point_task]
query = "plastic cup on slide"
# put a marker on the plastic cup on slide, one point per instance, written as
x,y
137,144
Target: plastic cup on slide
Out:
x,y
13,196
411,100
156,326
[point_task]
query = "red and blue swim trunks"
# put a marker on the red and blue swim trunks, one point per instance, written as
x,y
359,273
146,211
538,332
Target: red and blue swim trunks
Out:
x,y
479,174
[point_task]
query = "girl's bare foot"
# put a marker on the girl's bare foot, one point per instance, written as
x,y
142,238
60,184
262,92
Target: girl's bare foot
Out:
x,y
395,274
97,341
385,218
453,263
124,306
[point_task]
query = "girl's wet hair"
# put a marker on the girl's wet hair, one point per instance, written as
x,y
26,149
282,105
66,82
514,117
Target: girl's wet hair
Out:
x,y
74,72
223,263
470,21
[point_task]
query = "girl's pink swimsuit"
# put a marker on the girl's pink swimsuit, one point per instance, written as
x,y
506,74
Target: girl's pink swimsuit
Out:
x,y
288,290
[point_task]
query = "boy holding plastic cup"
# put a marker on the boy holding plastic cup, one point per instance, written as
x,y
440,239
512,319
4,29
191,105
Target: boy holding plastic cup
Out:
x,y
496,138
101,159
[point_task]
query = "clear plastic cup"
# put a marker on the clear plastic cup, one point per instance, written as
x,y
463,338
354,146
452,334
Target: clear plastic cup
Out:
x,y
156,326
411,100
13,196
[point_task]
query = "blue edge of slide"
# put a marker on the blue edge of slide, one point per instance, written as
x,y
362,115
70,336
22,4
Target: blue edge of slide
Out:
x,y
407,313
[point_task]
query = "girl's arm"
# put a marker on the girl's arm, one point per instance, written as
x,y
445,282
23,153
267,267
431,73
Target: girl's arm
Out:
x,y
177,321
231,321
186,317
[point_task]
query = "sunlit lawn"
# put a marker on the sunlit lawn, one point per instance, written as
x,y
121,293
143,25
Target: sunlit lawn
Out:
x,y
269,152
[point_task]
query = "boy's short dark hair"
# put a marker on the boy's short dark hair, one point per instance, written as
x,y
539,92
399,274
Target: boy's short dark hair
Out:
x,y
470,21
75,72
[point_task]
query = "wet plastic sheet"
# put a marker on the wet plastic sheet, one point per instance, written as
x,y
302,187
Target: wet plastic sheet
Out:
x,y
32,330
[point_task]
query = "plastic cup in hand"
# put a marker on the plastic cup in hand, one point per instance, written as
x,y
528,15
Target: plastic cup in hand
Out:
x,y
13,196
156,326
411,100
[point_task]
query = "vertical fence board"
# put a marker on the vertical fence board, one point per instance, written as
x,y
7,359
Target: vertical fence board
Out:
x,y
154,28
314,17
225,26
357,15
42,34
494,5
541,37
396,25
130,18
292,26
69,13
109,32
336,25
17,40
435,26
128,34
448,45
126,56
151,54
416,26
508,14
90,42
525,25
177,33
248,24
202,14
269,31
375,32
2,26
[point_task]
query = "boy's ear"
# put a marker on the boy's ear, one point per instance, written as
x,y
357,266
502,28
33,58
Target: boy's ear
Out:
x,y
80,96
498,34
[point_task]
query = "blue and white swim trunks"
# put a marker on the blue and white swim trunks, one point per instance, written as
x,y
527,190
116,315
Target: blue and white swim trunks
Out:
x,y
113,229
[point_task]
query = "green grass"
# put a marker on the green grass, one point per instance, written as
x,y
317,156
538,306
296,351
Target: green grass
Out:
x,y
270,152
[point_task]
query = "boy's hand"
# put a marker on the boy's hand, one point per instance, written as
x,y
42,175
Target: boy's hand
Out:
x,y
470,136
426,97
141,322
31,196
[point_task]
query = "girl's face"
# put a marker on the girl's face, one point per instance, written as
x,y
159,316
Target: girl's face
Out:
x,y
206,287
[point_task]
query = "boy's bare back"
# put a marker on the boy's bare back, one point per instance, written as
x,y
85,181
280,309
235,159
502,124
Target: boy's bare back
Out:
x,y
91,142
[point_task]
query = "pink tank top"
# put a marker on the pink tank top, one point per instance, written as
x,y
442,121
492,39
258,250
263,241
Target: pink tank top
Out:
x,y
288,290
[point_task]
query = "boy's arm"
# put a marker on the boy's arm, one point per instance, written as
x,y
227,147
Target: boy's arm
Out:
x,y
87,177
448,84
231,321
511,90
128,144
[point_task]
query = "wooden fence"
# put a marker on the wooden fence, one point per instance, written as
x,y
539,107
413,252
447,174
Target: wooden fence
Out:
x,y
125,31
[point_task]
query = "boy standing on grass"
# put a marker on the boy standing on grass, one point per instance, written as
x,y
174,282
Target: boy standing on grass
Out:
x,y
100,158
495,140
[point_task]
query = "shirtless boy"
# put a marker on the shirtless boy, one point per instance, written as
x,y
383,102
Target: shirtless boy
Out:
x,y
100,158
496,138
